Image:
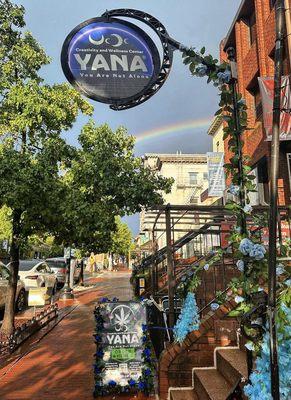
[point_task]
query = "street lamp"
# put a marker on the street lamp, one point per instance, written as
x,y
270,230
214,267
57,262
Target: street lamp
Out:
x,y
67,292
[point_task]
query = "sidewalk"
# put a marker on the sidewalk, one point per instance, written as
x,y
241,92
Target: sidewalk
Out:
x,y
60,365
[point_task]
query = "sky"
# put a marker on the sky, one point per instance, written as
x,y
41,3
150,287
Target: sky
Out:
x,y
178,116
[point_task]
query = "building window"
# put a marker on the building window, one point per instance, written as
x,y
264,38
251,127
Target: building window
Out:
x,y
193,200
289,168
252,27
257,97
193,178
272,3
205,176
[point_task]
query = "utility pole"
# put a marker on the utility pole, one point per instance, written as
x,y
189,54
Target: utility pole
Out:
x,y
170,269
238,133
273,210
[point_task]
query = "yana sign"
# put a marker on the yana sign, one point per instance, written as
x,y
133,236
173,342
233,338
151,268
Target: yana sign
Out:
x,y
110,60
122,341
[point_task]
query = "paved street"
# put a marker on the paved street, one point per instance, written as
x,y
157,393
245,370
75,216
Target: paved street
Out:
x,y
60,365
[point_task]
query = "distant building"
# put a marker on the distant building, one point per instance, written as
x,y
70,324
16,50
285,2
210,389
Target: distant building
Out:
x,y
216,132
190,175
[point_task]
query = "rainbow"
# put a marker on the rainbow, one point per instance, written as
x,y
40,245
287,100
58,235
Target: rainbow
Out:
x,y
173,128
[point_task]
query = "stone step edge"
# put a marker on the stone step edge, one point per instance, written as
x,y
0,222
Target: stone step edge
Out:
x,y
177,389
201,368
214,361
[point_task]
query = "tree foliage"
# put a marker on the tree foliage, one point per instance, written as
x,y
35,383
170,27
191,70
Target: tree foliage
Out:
x,y
32,117
121,239
105,180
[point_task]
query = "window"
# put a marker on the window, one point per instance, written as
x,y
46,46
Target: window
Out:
x,y
194,200
257,100
205,176
42,269
252,27
289,167
272,3
193,178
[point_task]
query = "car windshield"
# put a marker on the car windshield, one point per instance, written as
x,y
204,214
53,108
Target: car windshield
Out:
x,y
26,265
56,263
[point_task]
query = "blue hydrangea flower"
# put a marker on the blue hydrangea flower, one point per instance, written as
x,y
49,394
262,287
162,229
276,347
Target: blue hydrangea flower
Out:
x,y
201,70
234,190
206,267
259,387
246,246
239,299
147,372
112,383
240,265
248,208
147,352
141,385
99,353
224,77
214,306
132,382
104,300
189,319
258,252
280,270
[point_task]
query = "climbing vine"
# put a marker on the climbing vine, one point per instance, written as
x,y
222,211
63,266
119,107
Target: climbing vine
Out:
x,y
251,254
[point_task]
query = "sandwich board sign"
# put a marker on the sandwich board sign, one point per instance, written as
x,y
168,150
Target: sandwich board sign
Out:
x,y
122,341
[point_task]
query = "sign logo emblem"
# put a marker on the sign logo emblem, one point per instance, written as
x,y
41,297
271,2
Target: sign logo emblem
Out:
x,y
109,40
122,316
110,60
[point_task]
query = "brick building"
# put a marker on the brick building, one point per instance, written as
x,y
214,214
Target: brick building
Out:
x,y
252,34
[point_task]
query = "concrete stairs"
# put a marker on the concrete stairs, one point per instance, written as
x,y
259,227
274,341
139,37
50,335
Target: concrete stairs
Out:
x,y
217,382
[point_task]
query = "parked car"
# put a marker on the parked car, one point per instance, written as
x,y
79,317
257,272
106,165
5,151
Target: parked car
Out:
x,y
59,266
20,297
36,274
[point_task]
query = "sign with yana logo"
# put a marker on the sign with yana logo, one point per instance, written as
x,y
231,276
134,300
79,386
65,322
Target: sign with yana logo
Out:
x,y
216,177
110,60
122,341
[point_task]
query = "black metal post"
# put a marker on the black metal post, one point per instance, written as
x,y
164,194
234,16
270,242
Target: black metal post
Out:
x,y
170,270
273,210
81,272
67,292
238,133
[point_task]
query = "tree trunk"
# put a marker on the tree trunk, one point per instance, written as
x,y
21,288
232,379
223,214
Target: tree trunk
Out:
x,y
7,327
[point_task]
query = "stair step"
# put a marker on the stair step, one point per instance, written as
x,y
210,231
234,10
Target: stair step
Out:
x,y
183,394
232,364
209,384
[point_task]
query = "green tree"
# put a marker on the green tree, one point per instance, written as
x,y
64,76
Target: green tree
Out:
x,y
106,180
32,117
5,223
121,239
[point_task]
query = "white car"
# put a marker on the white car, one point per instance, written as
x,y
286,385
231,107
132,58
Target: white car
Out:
x,y
37,274
20,299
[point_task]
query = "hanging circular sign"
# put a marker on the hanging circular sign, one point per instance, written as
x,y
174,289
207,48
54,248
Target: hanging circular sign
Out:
x,y
110,60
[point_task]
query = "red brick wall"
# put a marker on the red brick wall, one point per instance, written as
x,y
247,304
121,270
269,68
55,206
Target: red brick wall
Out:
x,y
253,61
